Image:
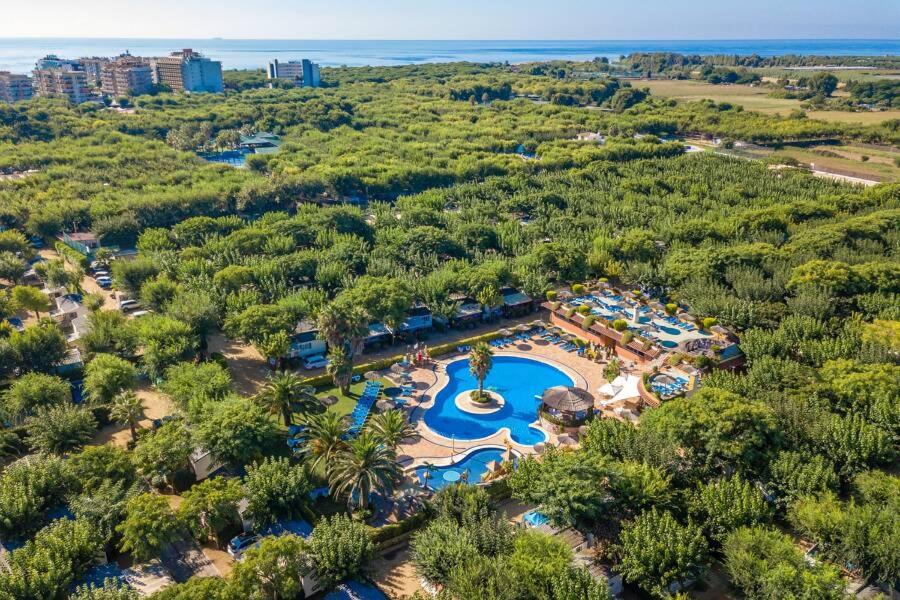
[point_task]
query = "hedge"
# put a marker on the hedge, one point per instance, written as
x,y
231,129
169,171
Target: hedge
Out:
x,y
387,536
72,256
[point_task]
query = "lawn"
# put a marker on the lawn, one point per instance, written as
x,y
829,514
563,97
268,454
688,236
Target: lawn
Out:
x,y
346,403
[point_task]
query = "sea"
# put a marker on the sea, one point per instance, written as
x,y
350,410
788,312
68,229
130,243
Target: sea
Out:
x,y
19,54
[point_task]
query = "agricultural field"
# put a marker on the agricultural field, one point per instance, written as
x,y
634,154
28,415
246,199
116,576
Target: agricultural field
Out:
x,y
755,98
750,97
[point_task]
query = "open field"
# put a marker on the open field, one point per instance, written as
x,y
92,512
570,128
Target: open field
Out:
x,y
846,159
754,98
865,118
751,98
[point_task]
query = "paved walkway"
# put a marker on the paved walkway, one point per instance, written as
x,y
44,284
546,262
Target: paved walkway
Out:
x,y
437,449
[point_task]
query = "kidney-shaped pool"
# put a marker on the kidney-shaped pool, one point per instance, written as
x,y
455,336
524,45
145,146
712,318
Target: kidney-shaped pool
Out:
x,y
516,379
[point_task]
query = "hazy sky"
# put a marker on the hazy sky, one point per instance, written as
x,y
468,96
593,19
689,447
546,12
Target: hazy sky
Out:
x,y
452,19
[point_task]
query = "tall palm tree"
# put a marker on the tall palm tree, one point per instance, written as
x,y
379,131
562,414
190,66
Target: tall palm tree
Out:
x,y
325,434
367,465
481,359
343,326
391,427
281,392
340,367
127,409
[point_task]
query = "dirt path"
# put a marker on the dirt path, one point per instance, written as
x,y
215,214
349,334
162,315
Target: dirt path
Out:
x,y
156,406
394,574
247,366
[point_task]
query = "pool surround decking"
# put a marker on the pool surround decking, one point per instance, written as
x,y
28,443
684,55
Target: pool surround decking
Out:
x,y
431,446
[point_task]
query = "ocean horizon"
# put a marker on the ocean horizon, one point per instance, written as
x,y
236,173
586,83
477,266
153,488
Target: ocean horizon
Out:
x,y
19,54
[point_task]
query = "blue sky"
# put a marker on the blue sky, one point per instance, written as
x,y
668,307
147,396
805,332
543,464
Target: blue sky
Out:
x,y
453,19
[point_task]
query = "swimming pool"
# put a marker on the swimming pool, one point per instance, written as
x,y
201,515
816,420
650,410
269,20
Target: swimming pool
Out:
x,y
474,463
517,379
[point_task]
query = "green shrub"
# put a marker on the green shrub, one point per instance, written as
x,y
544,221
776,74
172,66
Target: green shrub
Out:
x,y
72,256
552,295
584,309
386,536
588,321
620,325
578,289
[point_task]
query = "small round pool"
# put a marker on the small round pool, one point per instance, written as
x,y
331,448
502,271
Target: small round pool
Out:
x,y
474,465
517,379
668,344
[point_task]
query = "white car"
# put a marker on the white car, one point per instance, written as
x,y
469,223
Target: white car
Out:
x,y
316,361
99,274
238,545
128,305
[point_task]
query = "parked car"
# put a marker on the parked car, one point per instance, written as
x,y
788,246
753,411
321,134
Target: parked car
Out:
x,y
104,282
140,313
239,544
316,361
101,273
128,305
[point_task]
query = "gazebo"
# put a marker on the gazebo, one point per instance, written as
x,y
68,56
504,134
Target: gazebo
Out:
x,y
568,405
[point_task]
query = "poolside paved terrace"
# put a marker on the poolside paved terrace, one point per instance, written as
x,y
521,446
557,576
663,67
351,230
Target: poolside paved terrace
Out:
x,y
651,333
439,450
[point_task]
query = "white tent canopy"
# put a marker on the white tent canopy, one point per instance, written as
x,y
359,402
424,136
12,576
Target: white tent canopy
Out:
x,y
621,388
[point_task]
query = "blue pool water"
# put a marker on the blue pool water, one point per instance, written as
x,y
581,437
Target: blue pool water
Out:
x,y
668,344
669,330
535,518
475,463
235,158
515,378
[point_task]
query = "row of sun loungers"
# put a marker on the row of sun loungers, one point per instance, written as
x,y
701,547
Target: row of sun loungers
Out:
x,y
670,389
363,407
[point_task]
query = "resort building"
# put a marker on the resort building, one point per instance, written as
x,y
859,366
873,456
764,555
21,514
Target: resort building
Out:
x,y
62,82
515,302
187,71
379,337
51,61
666,343
469,312
305,341
302,72
84,242
93,66
125,75
14,87
418,320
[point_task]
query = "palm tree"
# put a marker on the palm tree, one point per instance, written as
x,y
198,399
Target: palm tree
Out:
x,y
325,433
366,466
340,367
281,392
391,427
343,326
480,362
127,409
